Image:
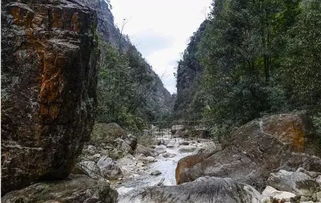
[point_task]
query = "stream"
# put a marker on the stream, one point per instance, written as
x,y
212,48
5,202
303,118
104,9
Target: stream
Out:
x,y
140,172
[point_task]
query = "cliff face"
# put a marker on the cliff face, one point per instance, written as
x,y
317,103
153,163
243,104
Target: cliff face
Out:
x,y
154,99
48,88
189,73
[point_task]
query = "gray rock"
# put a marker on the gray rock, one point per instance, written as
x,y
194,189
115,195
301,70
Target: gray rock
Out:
x,y
75,189
168,155
108,168
271,195
184,143
160,149
187,149
149,159
156,173
205,189
146,151
296,182
90,168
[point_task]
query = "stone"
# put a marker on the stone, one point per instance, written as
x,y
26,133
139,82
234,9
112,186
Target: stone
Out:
x,y
107,132
184,143
272,193
90,168
205,189
48,79
296,182
318,179
156,173
256,149
318,196
149,159
146,151
185,164
168,155
160,149
77,188
108,168
187,149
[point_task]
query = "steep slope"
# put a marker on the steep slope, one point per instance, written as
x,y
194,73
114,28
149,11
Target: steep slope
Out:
x,y
190,97
149,100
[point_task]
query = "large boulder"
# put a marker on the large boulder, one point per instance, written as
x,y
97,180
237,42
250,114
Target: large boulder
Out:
x,y
113,139
108,168
107,132
300,182
253,151
48,88
76,189
205,189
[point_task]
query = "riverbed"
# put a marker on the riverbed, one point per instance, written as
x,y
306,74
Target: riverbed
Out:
x,y
160,169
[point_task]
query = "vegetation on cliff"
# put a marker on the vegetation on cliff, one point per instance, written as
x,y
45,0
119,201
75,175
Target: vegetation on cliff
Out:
x,y
258,57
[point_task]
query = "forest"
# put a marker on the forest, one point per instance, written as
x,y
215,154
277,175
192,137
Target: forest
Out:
x,y
255,58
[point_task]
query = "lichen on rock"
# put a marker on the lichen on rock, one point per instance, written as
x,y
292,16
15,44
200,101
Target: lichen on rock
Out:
x,y
49,78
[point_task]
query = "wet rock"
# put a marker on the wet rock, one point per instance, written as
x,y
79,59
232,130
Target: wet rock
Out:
x,y
205,189
256,149
75,189
271,195
184,143
156,173
48,88
170,145
168,155
187,149
108,168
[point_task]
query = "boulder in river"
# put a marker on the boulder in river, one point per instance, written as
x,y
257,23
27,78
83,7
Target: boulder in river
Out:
x,y
48,93
205,189
75,189
256,149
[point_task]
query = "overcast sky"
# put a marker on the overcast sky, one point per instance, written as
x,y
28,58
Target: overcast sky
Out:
x,y
161,29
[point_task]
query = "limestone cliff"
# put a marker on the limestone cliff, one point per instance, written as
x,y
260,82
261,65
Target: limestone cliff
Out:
x,y
48,88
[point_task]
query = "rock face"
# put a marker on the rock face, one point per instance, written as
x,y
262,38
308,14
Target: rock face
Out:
x,y
48,88
74,190
205,189
256,149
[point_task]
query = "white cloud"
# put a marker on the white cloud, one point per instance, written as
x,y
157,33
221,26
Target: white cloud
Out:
x,y
161,30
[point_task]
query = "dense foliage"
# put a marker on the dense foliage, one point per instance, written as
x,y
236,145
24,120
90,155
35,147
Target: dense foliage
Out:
x,y
259,57
128,88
